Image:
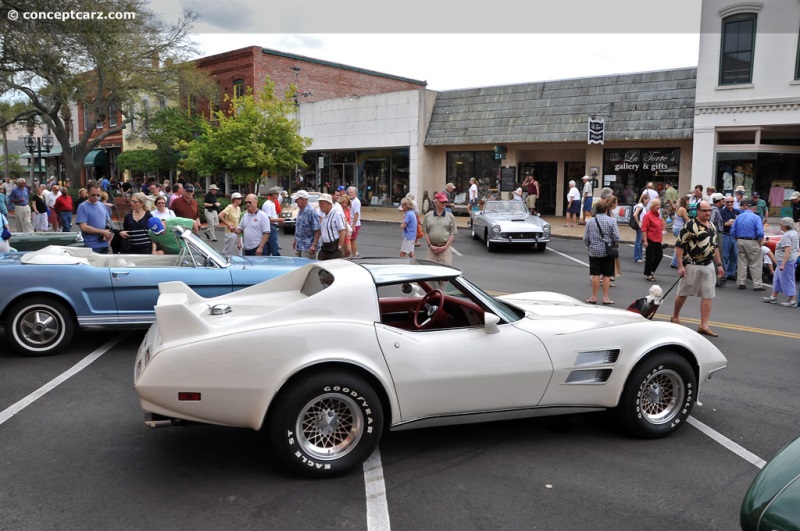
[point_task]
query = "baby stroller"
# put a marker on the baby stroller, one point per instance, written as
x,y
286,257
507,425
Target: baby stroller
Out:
x,y
647,306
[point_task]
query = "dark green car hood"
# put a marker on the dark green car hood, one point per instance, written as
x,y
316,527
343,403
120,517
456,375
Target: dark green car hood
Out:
x,y
773,500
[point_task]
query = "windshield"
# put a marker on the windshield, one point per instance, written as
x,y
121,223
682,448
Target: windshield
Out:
x,y
201,254
510,207
504,311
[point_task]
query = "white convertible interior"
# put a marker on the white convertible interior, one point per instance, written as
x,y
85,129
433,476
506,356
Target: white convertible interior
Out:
x,y
59,255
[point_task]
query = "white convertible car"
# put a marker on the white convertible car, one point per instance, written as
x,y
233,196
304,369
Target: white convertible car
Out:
x,y
328,356
509,223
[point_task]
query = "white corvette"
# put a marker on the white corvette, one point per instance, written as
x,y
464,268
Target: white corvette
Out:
x,y
328,356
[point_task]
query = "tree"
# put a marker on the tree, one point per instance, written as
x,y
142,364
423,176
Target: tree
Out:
x,y
103,65
253,135
171,129
10,113
138,160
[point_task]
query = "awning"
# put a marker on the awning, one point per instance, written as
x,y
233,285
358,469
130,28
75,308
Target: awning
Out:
x,y
97,157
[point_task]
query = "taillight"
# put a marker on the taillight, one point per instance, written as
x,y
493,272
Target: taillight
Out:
x,y
188,396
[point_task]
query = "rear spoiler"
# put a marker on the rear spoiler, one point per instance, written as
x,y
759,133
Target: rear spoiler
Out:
x,y
178,312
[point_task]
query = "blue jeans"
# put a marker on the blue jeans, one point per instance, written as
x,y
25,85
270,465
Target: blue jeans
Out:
x,y
272,248
66,221
675,233
638,250
730,255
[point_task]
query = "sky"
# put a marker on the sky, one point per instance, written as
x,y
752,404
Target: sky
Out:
x,y
454,44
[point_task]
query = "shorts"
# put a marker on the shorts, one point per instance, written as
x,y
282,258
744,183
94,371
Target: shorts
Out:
x,y
700,281
575,208
601,265
587,204
355,233
407,246
531,200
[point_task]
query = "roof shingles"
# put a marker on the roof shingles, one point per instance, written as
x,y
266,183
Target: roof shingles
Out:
x,y
646,106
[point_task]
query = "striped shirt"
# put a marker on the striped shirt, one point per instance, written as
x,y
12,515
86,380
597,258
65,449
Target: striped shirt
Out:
x,y
330,226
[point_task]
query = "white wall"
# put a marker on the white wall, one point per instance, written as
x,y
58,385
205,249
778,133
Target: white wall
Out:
x,y
773,97
396,119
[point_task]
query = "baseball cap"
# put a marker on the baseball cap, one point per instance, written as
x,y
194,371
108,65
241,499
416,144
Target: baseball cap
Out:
x,y
717,197
585,178
755,194
440,197
326,197
236,195
155,225
189,188
273,191
752,203
300,194
340,188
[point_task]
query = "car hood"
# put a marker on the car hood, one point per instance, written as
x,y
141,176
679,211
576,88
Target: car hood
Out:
x,y
773,500
570,315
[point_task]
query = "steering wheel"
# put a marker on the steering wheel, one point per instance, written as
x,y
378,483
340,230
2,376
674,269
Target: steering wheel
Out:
x,y
431,306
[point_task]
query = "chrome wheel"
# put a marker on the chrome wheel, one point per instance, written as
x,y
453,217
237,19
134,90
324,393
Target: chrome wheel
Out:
x,y
329,426
39,326
663,395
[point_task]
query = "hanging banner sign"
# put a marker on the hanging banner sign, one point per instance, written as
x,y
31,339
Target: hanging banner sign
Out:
x,y
596,131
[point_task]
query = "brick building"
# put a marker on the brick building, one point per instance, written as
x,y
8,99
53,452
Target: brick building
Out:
x,y
316,79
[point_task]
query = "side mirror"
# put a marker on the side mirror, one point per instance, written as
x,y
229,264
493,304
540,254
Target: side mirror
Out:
x,y
491,321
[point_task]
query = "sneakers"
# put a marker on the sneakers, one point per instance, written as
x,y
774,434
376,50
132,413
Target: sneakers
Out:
x,y
358,255
789,304
639,261
770,300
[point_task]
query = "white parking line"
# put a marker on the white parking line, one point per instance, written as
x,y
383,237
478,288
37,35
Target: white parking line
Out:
x,y
568,257
727,443
377,507
55,382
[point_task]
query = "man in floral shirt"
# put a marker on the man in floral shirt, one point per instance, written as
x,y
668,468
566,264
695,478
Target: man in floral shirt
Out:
x,y
306,230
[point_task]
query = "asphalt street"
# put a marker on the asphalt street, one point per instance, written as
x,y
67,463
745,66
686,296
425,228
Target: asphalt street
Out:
x,y
80,457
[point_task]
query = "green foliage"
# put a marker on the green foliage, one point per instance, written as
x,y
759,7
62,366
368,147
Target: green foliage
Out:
x,y
252,135
171,130
103,66
15,169
138,160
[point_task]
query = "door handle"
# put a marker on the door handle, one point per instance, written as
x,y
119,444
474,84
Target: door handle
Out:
x,y
118,274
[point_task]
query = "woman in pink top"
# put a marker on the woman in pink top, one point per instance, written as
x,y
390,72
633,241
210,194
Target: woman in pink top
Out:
x,y
652,230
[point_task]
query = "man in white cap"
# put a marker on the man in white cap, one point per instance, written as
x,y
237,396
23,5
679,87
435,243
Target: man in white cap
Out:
x,y
306,229
333,230
587,198
230,217
440,230
211,206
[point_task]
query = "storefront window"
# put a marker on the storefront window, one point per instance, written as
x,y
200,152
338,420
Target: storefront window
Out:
x,y
381,176
757,172
627,171
462,165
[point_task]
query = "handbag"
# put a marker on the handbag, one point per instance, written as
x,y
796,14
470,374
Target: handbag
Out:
x,y
632,221
612,249
420,234
6,233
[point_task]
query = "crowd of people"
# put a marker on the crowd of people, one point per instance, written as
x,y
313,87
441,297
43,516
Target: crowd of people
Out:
x,y
718,238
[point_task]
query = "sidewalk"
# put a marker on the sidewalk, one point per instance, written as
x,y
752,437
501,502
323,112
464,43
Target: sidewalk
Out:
x,y
392,215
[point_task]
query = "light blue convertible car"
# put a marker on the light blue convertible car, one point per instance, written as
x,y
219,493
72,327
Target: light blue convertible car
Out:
x,y
45,295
